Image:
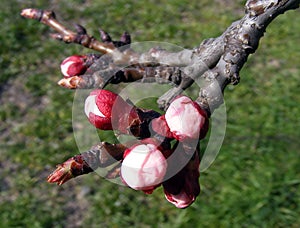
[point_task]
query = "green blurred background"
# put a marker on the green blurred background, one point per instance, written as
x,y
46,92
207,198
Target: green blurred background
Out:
x,y
255,179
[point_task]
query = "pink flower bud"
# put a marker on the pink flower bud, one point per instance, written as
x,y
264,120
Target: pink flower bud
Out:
x,y
73,66
144,166
108,111
183,188
98,108
186,119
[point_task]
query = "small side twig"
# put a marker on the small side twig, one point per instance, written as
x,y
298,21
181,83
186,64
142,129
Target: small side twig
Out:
x,y
80,37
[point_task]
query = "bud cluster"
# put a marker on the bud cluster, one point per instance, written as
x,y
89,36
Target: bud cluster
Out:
x,y
151,161
145,164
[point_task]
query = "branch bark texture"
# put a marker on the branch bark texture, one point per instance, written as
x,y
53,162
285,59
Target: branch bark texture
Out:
x,y
217,60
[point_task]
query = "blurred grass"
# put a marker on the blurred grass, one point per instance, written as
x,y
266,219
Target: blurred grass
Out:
x,y
253,183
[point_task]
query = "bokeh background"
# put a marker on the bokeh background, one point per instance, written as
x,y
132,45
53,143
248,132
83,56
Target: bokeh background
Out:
x,y
254,182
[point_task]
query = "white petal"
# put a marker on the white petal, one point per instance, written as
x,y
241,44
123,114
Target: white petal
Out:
x,y
91,107
65,67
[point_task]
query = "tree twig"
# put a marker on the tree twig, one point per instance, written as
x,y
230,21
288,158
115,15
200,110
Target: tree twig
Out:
x,y
217,60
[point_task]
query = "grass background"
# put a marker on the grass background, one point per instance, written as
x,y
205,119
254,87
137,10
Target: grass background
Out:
x,y
255,179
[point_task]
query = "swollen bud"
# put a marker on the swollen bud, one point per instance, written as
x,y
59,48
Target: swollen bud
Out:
x,y
183,188
144,166
73,66
98,108
108,111
186,119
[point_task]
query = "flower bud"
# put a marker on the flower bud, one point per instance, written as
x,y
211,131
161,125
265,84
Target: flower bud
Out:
x,y
186,119
144,166
98,108
183,188
108,111
73,66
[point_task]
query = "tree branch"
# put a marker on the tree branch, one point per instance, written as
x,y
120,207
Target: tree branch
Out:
x,y
80,37
217,60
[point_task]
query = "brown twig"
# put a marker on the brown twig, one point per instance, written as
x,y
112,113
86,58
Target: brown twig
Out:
x,y
100,155
99,79
80,37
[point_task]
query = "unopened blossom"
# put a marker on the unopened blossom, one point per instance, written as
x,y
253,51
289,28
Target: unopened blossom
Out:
x,y
73,66
186,119
106,110
144,166
98,108
183,188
